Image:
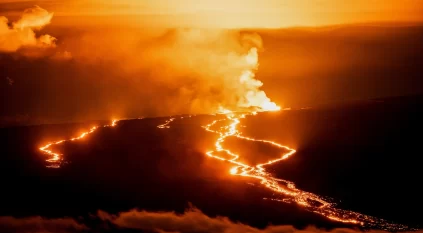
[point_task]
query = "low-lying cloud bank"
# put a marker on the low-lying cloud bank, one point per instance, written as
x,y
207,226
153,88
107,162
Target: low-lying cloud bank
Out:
x,y
40,225
192,221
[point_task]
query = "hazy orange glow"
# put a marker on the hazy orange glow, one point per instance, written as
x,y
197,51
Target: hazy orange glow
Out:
x,y
56,158
35,17
237,13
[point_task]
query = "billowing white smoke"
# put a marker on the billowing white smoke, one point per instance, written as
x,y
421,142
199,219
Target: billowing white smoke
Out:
x,y
254,97
186,70
218,65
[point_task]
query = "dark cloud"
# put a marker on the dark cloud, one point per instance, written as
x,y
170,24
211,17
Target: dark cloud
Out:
x,y
40,225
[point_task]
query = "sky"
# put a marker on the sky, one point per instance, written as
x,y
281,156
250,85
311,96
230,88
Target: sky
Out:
x,y
57,68
231,13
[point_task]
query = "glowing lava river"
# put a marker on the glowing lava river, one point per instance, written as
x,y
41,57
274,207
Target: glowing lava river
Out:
x,y
283,190
286,189
56,158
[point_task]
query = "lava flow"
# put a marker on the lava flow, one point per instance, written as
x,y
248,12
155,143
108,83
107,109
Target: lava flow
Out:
x,y
166,124
287,189
56,158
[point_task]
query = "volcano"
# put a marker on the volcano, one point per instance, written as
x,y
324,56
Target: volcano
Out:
x,y
179,162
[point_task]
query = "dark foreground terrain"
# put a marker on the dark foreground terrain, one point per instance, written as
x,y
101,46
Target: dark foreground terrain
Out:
x,y
364,155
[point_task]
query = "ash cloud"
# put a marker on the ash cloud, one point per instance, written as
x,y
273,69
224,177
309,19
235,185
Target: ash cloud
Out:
x,y
22,34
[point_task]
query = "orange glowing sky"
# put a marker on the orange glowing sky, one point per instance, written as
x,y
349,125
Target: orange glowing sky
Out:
x,y
233,13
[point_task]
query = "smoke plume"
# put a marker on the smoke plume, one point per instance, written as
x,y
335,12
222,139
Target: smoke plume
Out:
x,y
135,72
22,32
188,70
221,64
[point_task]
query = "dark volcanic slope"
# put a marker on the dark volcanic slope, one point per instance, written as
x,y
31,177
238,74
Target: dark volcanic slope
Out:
x,y
136,165
364,154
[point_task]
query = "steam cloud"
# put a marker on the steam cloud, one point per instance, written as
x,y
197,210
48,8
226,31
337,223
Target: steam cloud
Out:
x,y
221,64
190,70
172,71
22,32
192,221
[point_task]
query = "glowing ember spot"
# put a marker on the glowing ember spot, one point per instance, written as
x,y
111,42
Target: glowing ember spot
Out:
x,y
234,170
56,158
270,106
223,110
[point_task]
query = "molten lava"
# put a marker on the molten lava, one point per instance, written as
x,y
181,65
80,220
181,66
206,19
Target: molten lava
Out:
x,y
254,98
166,124
56,158
286,190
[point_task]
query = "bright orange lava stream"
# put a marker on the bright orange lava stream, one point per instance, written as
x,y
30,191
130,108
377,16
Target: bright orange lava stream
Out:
x,y
56,158
166,124
287,189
